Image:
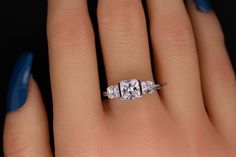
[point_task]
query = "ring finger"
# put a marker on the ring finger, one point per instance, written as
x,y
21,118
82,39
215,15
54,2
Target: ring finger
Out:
x,y
124,41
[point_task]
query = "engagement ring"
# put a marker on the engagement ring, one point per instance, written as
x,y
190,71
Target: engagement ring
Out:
x,y
131,89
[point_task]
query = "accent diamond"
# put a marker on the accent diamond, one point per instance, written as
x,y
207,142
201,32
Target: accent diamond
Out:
x,y
148,87
130,89
113,92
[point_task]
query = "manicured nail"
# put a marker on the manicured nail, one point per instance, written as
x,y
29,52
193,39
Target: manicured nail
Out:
x,y
203,5
19,82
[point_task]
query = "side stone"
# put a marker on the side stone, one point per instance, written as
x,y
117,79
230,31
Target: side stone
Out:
x,y
113,92
148,87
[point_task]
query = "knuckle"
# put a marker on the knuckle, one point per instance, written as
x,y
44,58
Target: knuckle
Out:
x,y
70,31
71,36
216,36
176,32
224,70
126,16
17,146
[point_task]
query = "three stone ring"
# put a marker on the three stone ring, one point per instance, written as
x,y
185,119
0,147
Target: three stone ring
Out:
x,y
131,89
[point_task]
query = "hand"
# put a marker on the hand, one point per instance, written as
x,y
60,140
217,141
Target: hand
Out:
x,y
193,116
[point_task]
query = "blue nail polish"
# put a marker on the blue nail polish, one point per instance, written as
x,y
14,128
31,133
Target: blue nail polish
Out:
x,y
19,81
203,5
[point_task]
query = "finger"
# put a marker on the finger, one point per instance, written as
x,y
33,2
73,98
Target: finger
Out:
x,y
175,58
218,78
73,65
124,40
26,128
74,75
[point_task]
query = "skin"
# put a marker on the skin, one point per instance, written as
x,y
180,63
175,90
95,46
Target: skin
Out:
x,y
189,54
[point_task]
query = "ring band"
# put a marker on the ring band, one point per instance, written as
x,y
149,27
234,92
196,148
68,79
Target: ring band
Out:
x,y
132,89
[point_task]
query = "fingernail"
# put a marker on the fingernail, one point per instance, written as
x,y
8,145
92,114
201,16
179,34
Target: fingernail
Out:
x,y
203,5
19,82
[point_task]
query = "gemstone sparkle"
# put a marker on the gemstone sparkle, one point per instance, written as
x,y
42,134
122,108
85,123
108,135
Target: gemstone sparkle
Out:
x,y
130,89
148,87
113,92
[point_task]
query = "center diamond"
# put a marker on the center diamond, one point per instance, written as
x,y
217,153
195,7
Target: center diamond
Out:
x,y
130,89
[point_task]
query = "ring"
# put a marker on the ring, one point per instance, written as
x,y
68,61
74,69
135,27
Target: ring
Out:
x,y
132,89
